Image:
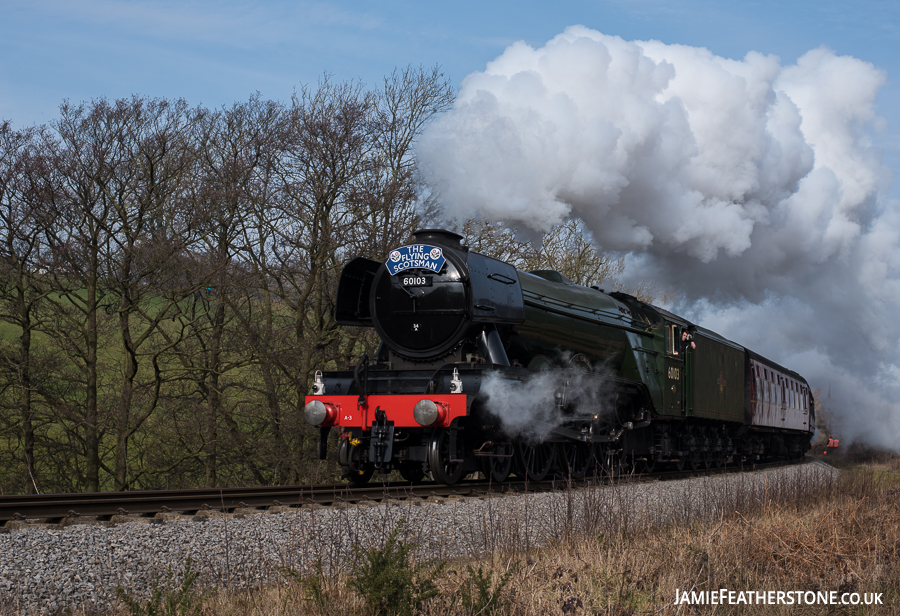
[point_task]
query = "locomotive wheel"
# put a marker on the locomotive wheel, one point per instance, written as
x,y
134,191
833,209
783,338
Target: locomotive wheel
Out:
x,y
696,458
695,461
413,473
574,460
443,467
356,471
707,454
718,455
534,461
496,468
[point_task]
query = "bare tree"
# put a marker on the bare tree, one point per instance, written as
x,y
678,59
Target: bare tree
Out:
x,y
146,235
328,147
269,322
236,157
326,143
82,161
386,197
22,288
496,240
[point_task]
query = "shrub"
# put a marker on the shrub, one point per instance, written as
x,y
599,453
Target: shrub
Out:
x,y
486,599
387,579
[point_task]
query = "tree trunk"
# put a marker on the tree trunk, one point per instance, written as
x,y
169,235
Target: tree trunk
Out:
x,y
91,414
214,399
28,437
123,427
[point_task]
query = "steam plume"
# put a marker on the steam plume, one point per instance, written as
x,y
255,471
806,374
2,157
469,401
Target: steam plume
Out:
x,y
529,409
749,188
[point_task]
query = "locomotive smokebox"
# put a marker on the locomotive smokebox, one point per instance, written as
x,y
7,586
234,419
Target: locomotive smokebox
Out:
x,y
428,296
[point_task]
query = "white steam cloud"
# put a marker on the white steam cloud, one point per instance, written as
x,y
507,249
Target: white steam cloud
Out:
x,y
524,408
531,408
749,188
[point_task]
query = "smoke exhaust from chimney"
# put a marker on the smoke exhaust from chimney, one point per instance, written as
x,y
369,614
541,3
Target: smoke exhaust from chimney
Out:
x,y
747,188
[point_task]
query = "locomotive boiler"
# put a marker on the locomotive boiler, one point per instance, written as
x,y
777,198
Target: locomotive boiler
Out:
x,y
487,369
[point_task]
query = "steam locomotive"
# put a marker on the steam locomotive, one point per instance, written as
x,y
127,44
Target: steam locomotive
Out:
x,y
487,369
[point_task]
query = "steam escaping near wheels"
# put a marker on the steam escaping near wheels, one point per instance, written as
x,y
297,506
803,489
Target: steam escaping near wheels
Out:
x,y
528,409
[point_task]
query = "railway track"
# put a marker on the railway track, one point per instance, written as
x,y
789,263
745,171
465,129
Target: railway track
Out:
x,y
18,511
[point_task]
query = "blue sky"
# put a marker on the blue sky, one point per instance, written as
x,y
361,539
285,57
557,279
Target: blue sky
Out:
x,y
215,53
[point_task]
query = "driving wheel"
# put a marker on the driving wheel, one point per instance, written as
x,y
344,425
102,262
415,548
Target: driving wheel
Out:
x,y
534,461
497,468
574,460
445,456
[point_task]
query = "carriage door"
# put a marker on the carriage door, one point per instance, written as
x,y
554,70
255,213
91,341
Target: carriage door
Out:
x,y
673,390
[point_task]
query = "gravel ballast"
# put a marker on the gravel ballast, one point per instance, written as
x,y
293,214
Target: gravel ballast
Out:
x,y
49,569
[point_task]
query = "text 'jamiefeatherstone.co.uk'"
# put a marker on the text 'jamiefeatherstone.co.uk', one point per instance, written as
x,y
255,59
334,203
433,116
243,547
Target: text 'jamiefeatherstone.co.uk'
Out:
x,y
724,596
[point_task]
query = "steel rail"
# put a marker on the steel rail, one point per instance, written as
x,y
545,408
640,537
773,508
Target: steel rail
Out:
x,y
103,505
143,502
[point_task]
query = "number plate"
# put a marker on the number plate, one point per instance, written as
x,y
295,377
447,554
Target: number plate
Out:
x,y
415,281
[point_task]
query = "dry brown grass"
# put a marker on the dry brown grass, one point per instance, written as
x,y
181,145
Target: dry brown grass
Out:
x,y
841,536
849,542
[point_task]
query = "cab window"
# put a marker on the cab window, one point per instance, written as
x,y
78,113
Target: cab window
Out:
x,y
673,339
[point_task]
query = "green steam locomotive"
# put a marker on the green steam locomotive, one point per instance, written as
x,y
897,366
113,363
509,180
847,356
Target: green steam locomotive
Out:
x,y
487,369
